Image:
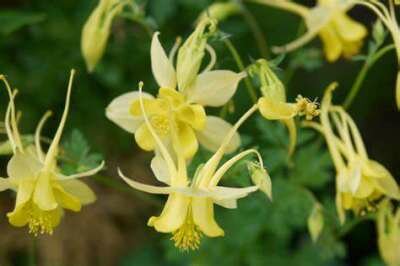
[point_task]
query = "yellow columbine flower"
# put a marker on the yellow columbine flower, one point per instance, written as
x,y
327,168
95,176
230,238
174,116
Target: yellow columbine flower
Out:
x,y
96,31
273,105
360,181
388,227
42,191
340,34
180,99
388,17
189,210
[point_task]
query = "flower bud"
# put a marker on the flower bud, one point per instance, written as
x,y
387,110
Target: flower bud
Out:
x,y
191,54
96,31
315,222
388,225
260,178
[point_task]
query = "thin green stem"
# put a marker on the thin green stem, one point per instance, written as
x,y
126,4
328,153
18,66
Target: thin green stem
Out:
x,y
32,252
112,183
363,72
256,30
250,88
134,18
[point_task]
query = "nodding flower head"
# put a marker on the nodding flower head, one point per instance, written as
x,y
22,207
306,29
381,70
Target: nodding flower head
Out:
x,y
189,211
42,191
360,182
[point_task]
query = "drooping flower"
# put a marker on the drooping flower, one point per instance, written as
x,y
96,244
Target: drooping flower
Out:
x,y
189,210
42,191
388,227
340,34
274,106
182,96
96,31
360,181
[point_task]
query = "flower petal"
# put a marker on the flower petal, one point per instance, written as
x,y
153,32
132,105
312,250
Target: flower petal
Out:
x,y
43,196
162,68
276,110
227,203
203,216
388,186
223,193
160,169
214,133
23,165
118,111
144,139
173,214
215,88
193,114
80,190
349,29
188,140
67,200
5,184
333,46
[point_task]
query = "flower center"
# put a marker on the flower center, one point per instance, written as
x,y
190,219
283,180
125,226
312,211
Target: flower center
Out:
x,y
161,124
39,221
188,235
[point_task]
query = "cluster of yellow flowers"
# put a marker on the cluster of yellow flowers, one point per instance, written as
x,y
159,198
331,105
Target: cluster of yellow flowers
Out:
x,y
173,123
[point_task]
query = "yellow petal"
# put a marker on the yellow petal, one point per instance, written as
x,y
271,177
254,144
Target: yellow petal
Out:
x,y
276,110
162,68
23,165
43,195
174,97
151,106
80,190
24,192
193,114
214,132
214,88
119,111
332,44
203,216
365,189
187,140
348,29
173,214
18,217
144,139
66,200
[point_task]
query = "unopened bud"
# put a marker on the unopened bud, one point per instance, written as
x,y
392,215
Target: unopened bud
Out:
x,y
191,54
315,222
96,31
260,178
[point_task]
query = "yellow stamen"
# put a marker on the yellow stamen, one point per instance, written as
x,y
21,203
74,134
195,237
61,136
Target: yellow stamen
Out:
x,y
39,221
307,107
188,235
160,124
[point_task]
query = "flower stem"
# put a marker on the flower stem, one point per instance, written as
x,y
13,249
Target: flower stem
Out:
x,y
32,252
363,72
256,30
250,88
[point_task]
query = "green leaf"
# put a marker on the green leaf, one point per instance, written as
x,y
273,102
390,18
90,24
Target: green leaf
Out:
x,y
13,20
76,155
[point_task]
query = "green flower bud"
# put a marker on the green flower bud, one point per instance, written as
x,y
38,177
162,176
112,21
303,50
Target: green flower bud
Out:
x,y
260,178
191,54
96,31
315,222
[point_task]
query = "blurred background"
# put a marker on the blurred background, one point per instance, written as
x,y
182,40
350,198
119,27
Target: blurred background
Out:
x,y
40,43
